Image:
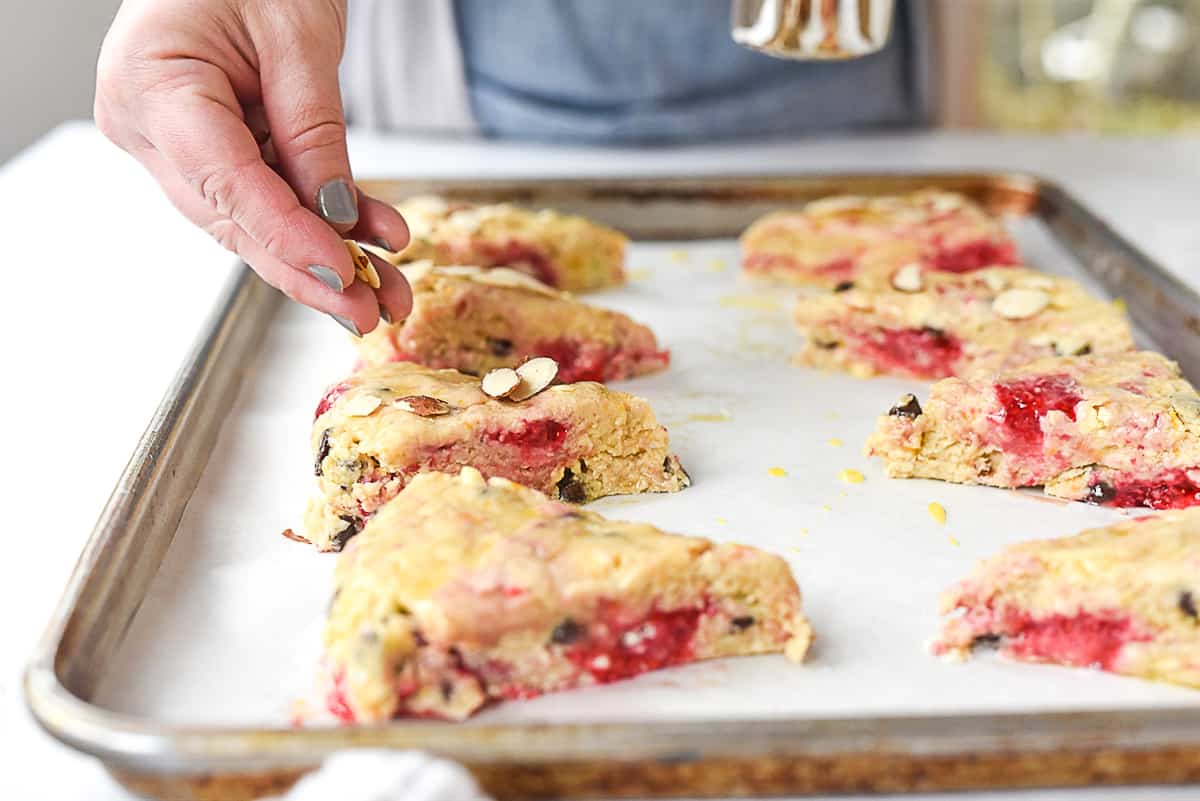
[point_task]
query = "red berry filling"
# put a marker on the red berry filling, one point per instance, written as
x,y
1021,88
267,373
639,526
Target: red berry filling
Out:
x,y
330,397
1081,640
918,352
974,256
1025,402
335,699
615,650
532,437
516,254
1173,489
596,361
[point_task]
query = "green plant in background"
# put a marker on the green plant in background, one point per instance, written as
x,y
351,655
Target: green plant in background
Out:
x,y
1112,66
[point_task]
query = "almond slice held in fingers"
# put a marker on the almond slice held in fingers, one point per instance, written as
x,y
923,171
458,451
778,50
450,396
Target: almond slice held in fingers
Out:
x,y
536,375
423,405
364,270
500,383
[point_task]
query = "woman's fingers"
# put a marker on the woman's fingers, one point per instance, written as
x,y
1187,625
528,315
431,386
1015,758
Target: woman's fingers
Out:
x,y
303,105
356,308
379,224
394,293
195,123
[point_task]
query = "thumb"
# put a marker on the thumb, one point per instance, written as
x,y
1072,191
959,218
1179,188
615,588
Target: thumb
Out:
x,y
303,106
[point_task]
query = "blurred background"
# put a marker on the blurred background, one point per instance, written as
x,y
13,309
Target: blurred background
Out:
x,y
1109,66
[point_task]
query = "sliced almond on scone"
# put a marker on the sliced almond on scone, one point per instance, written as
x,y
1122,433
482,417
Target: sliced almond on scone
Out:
x,y
500,383
423,405
536,375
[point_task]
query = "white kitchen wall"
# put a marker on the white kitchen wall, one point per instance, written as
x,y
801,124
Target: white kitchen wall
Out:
x,y
47,64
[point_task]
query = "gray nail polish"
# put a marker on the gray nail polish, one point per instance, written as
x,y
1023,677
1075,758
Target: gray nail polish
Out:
x,y
326,276
347,324
337,203
383,243
383,314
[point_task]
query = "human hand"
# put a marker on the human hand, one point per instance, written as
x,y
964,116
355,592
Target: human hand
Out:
x,y
204,93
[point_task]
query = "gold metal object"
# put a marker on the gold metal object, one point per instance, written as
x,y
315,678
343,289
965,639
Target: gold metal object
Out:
x,y
812,29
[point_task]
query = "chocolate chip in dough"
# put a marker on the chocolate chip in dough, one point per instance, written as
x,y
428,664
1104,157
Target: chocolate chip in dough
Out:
x,y
353,526
844,286
826,344
1100,493
322,451
1187,605
499,347
447,689
907,407
570,488
566,632
741,623
933,331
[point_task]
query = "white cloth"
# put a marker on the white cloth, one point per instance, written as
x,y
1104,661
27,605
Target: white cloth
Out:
x,y
381,775
403,67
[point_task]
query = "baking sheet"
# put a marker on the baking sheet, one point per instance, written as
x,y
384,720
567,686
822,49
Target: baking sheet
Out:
x,y
229,633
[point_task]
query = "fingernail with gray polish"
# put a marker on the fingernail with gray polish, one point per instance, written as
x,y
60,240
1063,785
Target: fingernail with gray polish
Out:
x,y
326,276
383,315
337,202
347,324
383,243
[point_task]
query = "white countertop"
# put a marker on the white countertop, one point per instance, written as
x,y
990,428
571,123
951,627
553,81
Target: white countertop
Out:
x,y
92,349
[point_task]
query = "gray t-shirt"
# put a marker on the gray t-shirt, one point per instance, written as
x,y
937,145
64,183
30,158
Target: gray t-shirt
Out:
x,y
667,70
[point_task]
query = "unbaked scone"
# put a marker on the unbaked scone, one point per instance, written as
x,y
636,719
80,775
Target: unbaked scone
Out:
x,y
383,425
561,250
465,591
835,239
1118,429
925,325
1122,599
475,320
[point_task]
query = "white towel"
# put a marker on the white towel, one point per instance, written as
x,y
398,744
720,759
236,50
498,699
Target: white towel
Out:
x,y
381,775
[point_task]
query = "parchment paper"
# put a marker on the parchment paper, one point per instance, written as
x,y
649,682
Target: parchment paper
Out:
x,y
229,633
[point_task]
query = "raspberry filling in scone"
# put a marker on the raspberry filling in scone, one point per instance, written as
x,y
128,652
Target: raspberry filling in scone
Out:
x,y
385,424
463,591
563,251
476,320
1122,599
1118,429
838,238
930,325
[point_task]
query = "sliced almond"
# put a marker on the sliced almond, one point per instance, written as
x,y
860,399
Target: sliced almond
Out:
x,y
996,281
500,383
513,279
364,270
536,375
422,405
462,271
294,537
1072,346
1020,303
908,278
361,405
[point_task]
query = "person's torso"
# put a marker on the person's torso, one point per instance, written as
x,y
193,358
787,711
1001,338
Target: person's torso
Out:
x,y
631,70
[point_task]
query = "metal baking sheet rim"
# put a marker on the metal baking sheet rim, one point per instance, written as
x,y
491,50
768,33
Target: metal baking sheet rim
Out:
x,y
599,760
